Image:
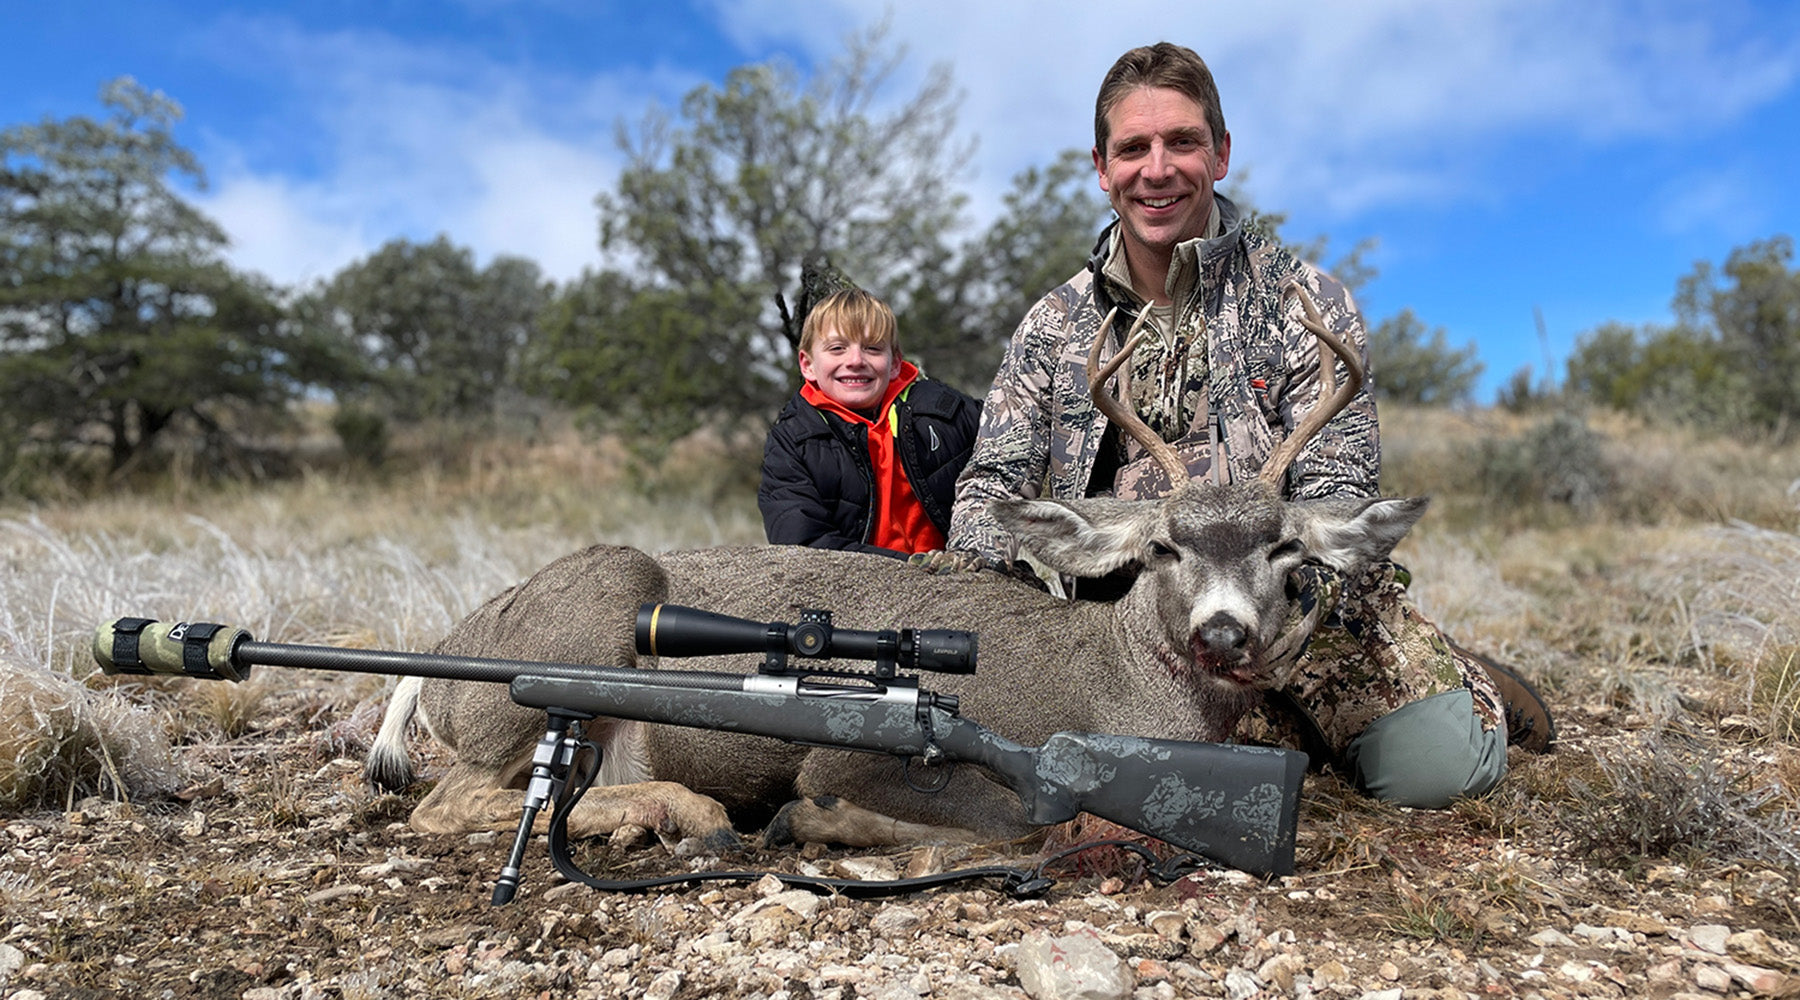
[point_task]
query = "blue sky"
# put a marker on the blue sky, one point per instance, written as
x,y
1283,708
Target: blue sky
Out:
x,y
1509,155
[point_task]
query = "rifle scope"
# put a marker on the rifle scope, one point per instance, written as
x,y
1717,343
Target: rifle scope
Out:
x,y
674,630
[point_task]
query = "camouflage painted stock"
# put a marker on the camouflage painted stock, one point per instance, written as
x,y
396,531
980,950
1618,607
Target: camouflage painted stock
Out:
x,y
1233,804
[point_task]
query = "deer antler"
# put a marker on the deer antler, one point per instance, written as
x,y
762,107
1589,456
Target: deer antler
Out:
x,y
1276,468
1121,414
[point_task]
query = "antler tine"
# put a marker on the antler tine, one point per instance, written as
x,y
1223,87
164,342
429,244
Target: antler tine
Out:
x,y
1118,412
1276,468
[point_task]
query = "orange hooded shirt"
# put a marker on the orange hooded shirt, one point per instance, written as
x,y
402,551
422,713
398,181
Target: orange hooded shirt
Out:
x,y
899,521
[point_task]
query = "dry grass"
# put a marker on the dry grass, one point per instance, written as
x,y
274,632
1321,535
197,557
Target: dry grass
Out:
x,y
1663,623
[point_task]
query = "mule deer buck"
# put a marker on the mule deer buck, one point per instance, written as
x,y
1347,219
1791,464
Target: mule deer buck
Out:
x,y
1182,655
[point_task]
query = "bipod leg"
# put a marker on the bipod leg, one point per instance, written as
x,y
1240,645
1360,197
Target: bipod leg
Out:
x,y
550,764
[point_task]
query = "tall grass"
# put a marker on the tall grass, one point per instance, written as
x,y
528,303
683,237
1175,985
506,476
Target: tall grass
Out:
x,y
1668,600
388,562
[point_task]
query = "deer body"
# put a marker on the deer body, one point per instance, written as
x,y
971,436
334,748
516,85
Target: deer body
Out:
x,y
1180,656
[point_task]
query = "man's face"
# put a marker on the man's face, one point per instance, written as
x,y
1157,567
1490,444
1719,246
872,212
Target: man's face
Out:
x,y
1158,170
854,375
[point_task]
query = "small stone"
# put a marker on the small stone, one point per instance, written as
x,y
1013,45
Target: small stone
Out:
x,y
1760,981
1713,978
1388,971
664,986
1550,937
896,921
1330,973
1241,985
1576,972
1280,971
1709,937
1168,923
1752,946
1074,966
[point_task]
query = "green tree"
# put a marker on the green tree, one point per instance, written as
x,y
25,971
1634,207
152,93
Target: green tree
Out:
x,y
1676,374
669,377
716,210
1751,309
118,315
962,307
1413,368
438,335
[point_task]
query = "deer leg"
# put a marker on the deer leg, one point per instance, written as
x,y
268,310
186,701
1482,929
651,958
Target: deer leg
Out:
x,y
470,799
827,819
861,800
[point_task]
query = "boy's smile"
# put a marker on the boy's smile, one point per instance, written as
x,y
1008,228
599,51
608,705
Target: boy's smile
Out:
x,y
853,375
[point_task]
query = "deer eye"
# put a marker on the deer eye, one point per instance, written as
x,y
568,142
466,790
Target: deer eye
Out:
x,y
1162,550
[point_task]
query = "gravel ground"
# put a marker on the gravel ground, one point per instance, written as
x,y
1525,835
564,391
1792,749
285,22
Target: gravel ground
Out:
x,y
279,876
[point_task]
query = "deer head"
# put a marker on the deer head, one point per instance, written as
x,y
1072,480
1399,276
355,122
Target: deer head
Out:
x,y
1214,561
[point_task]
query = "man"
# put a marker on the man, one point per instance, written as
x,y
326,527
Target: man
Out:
x,y
1227,372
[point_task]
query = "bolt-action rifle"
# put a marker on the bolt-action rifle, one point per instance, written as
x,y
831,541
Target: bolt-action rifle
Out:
x,y
1236,805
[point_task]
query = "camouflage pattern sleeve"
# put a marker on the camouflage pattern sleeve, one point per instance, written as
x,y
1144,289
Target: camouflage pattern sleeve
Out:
x,y
1012,450
1345,458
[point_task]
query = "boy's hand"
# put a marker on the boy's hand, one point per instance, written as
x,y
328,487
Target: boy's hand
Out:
x,y
948,561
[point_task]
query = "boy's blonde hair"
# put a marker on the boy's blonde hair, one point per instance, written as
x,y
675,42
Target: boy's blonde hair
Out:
x,y
860,317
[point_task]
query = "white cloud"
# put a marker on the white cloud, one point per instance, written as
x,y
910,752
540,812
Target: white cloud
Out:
x,y
412,142
1335,109
1340,108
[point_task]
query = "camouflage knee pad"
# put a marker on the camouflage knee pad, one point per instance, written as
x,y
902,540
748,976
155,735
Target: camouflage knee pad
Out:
x,y
1428,754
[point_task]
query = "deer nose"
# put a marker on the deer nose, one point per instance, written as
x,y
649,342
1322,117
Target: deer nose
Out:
x,y
1222,634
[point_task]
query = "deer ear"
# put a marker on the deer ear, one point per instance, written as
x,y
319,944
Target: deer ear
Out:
x,y
1080,537
1349,535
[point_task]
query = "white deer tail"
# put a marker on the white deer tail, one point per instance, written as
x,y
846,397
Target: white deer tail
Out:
x,y
388,765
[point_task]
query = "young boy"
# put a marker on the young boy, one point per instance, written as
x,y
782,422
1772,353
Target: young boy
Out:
x,y
865,456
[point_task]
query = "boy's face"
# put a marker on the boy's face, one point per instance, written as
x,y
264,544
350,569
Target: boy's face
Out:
x,y
853,375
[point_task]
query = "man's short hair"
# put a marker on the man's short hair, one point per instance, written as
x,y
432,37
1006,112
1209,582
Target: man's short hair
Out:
x,y
858,316
1164,64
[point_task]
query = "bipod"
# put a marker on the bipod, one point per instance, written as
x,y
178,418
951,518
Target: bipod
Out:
x,y
550,766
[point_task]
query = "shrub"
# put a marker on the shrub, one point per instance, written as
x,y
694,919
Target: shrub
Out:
x,y
1558,461
363,433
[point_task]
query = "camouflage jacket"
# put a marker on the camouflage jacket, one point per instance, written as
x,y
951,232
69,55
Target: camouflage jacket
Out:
x,y
1041,433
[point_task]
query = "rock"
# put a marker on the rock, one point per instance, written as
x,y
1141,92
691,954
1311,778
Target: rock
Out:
x,y
1550,937
1753,946
664,986
896,921
1713,978
1760,981
1168,923
11,960
1241,985
868,869
1709,937
1330,973
1281,971
1074,966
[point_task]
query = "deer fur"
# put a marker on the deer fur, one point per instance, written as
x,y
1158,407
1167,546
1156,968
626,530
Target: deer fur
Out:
x,y
1179,656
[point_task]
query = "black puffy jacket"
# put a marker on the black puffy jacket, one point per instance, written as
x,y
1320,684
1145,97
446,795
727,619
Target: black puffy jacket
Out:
x,y
817,476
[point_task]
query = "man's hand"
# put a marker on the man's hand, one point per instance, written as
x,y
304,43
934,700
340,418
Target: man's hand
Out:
x,y
1314,590
948,561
